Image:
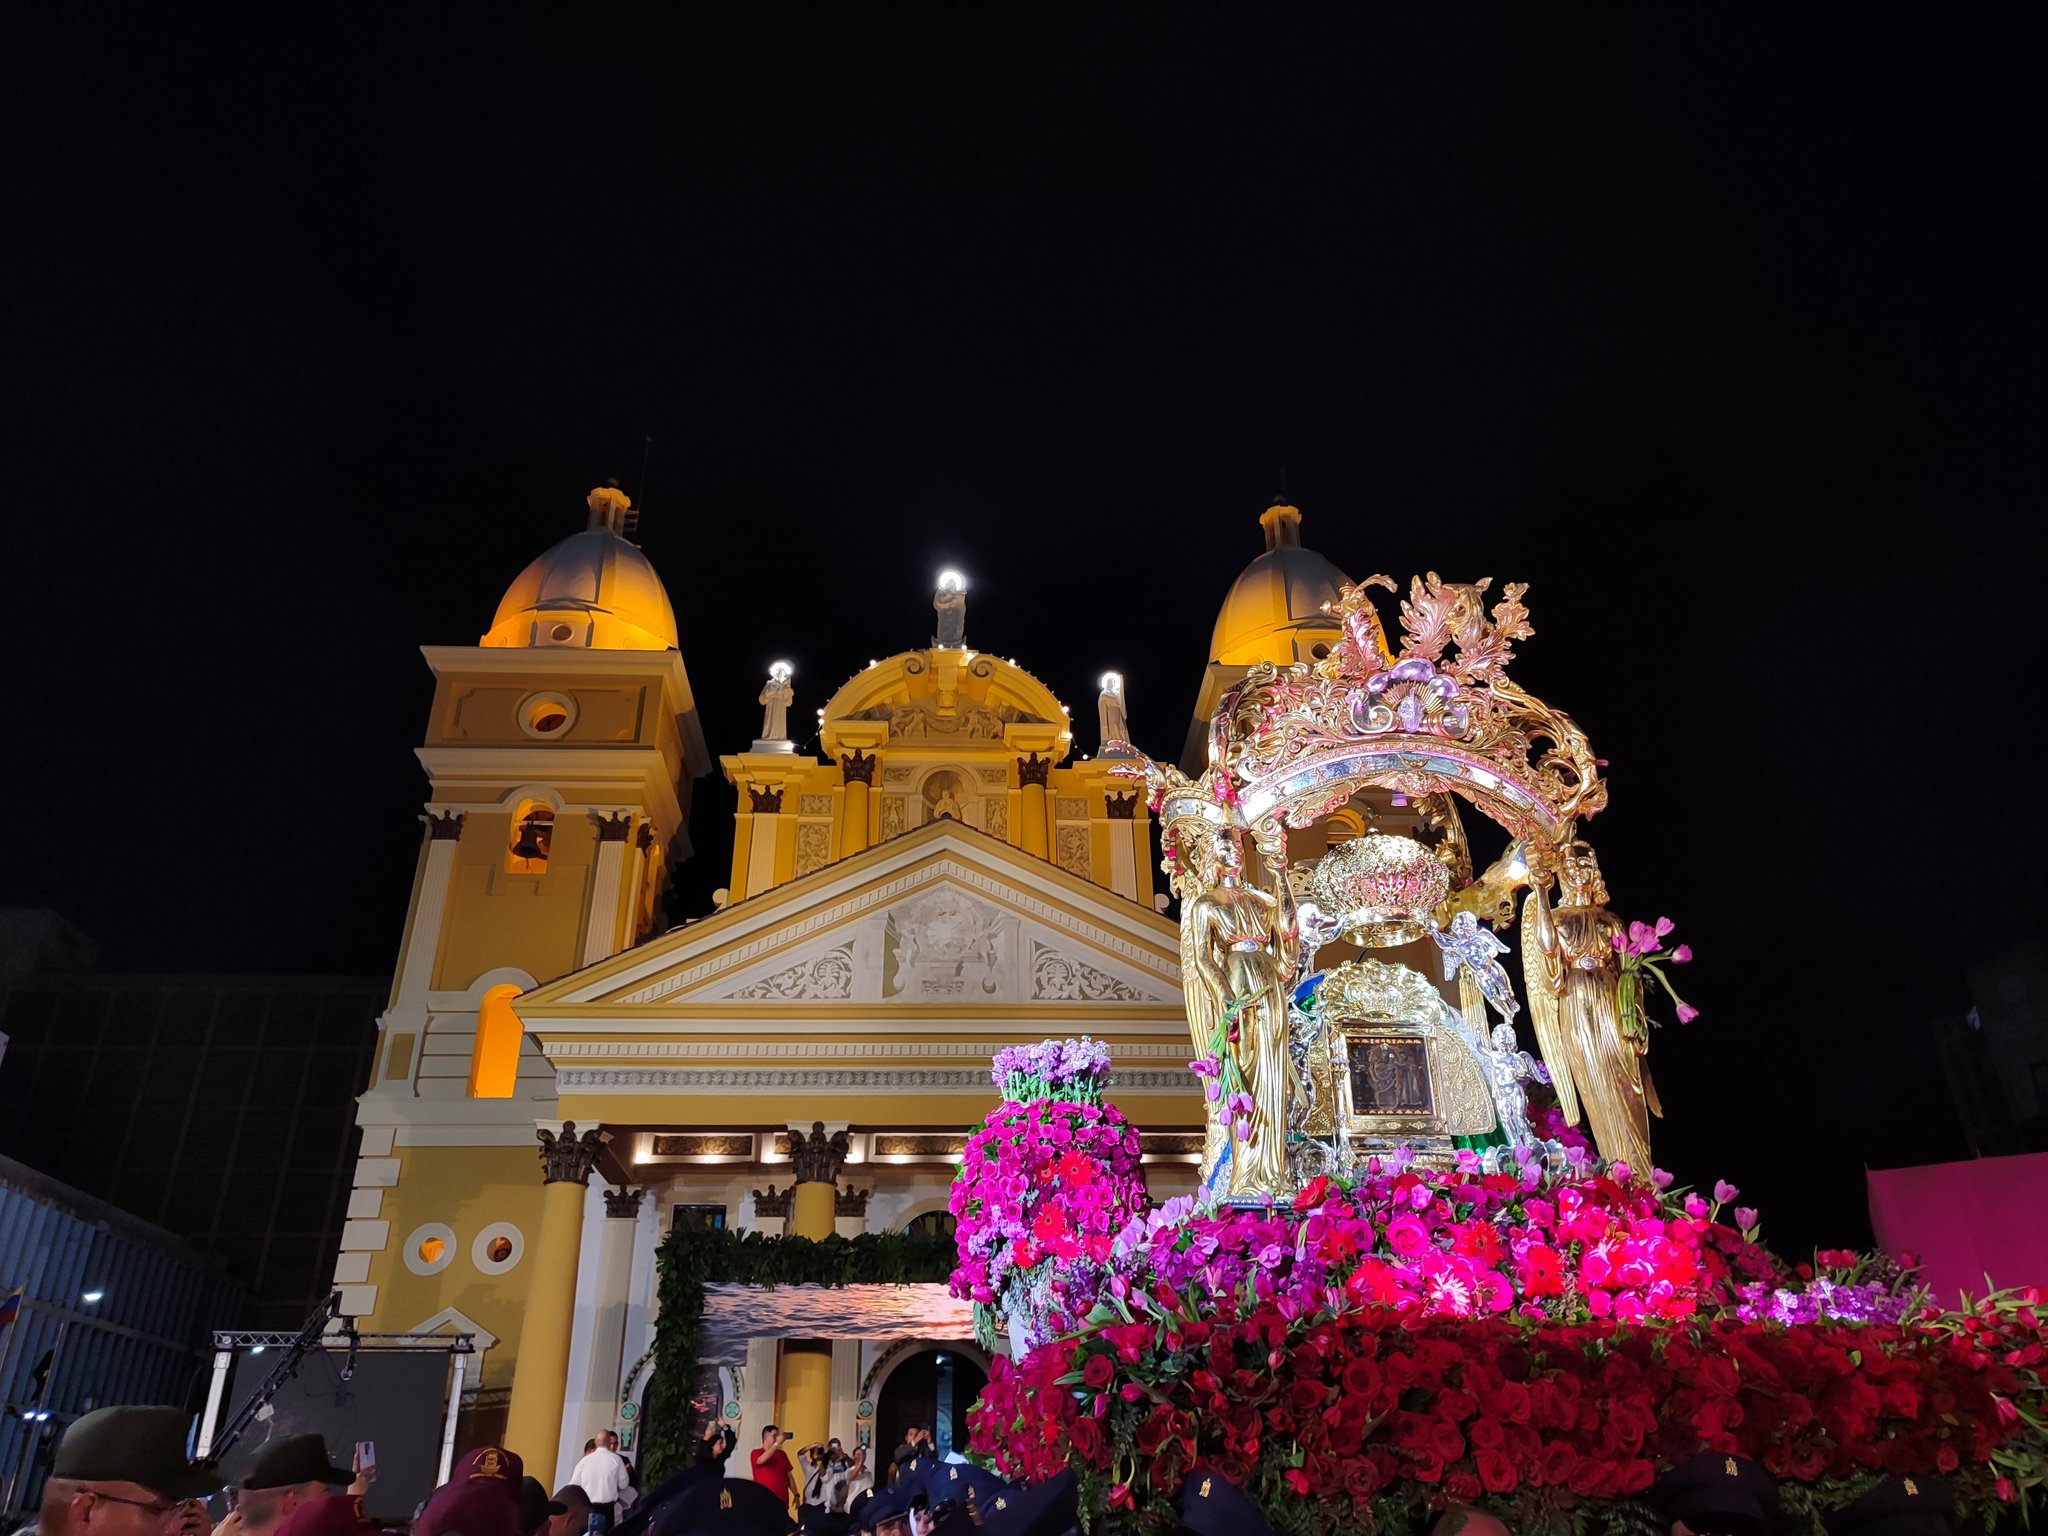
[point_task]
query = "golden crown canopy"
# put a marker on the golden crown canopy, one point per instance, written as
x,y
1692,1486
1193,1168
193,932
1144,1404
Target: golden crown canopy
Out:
x,y
1290,744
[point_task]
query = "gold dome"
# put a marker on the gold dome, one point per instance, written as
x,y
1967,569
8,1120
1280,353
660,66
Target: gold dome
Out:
x,y
1274,610
592,591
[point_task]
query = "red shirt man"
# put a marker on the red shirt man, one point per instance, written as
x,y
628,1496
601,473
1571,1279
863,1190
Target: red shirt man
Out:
x,y
772,1468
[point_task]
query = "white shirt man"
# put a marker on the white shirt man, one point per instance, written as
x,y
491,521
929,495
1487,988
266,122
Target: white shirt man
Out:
x,y
601,1474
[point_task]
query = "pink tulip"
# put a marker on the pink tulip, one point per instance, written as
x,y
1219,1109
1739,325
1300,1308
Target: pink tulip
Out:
x,y
1745,1217
1620,944
1687,1013
1682,955
1664,926
1724,1191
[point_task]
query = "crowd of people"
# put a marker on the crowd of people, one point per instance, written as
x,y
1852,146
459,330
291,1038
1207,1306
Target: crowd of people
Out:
x,y
125,1472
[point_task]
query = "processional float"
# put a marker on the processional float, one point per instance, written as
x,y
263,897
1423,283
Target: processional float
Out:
x,y
1309,1070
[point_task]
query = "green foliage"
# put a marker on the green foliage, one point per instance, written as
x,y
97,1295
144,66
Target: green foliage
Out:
x,y
689,1260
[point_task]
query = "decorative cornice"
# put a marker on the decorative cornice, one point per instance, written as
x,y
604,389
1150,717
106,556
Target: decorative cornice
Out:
x,y
851,1202
816,1157
623,1203
772,1204
823,1050
858,767
613,828
445,826
567,1157
783,1079
1123,807
1034,770
766,801
738,1144
915,1144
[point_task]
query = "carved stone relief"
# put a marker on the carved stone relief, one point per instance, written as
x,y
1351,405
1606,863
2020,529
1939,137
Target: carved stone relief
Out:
x,y
1073,851
996,818
814,805
1057,977
821,978
813,846
946,943
1072,808
893,818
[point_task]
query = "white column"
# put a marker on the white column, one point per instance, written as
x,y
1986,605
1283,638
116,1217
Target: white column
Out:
x,y
614,1291
846,1392
580,1416
757,1394
1123,858
607,884
423,933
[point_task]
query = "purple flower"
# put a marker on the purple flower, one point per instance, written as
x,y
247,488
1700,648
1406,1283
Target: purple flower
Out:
x,y
1724,1191
1682,955
1745,1217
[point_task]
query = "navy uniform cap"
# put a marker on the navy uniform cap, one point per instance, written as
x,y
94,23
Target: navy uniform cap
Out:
x,y
1714,1492
1050,1508
731,1506
889,1504
1212,1505
1898,1506
959,1495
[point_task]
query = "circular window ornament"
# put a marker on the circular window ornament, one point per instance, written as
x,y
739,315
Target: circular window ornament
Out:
x,y
430,1248
546,715
498,1248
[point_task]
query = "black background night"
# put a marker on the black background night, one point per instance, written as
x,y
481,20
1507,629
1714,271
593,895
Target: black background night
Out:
x,y
1721,329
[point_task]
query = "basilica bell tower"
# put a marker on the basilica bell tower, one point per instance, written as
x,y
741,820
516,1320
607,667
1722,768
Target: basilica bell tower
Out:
x,y
560,753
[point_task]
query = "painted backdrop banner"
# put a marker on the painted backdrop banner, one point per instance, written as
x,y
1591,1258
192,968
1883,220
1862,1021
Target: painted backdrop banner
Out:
x,y
1965,1221
734,1314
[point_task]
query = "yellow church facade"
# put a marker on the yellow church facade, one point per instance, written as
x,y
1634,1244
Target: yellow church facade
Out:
x,y
557,1083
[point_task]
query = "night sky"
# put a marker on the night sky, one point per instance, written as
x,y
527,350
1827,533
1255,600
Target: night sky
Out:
x,y
1721,330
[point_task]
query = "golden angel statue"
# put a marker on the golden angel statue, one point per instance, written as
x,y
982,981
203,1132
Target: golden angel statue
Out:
x,y
1572,974
1235,943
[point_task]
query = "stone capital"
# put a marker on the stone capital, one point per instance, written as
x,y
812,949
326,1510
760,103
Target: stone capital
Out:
x,y
614,827
851,1202
644,838
766,801
1123,807
771,1204
817,1155
445,826
623,1203
566,1154
1034,770
858,767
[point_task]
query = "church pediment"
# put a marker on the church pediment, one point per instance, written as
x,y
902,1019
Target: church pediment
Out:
x,y
942,921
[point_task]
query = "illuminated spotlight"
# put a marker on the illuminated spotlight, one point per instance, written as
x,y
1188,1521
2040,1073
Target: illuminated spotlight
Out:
x,y
92,1296
259,1349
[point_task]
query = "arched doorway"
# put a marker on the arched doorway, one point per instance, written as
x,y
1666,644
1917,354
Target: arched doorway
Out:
x,y
935,1386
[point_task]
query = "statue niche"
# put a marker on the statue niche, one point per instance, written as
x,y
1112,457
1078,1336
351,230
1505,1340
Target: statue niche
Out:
x,y
946,796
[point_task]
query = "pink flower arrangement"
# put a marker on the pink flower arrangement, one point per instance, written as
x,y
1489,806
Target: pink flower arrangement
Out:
x,y
1553,1245
1639,950
1044,1187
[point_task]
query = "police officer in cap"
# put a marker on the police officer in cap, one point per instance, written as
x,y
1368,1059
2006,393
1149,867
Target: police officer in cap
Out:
x,y
1899,1506
1050,1508
958,1495
887,1513
730,1506
1212,1505
124,1472
1715,1494
282,1475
